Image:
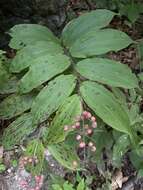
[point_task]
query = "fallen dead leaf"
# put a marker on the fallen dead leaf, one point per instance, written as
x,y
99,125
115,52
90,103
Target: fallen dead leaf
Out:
x,y
118,180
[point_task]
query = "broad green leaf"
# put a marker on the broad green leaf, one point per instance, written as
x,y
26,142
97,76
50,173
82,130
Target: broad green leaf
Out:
x,y
134,113
9,86
81,185
132,11
120,95
66,115
136,159
17,131
36,149
29,54
56,187
65,155
105,105
102,139
2,167
52,96
25,34
68,186
15,105
140,173
100,42
108,72
120,148
93,20
42,70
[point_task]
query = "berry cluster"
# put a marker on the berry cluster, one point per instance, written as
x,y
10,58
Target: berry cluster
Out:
x,y
27,160
84,126
26,183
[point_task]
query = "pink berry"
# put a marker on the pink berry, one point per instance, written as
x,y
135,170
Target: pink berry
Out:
x,y
75,163
77,124
37,178
73,127
23,182
66,128
93,119
93,149
85,114
78,137
94,124
25,158
82,145
88,115
37,188
30,160
89,131
90,144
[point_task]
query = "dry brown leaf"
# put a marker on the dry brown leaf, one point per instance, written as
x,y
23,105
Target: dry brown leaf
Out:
x,y
117,180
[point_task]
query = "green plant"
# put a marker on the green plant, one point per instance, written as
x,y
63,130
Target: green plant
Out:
x,y
55,79
80,184
130,9
2,167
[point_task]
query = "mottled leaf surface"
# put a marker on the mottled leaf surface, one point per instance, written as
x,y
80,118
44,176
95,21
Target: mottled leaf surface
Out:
x,y
25,34
52,96
4,75
15,105
65,155
42,70
17,131
29,54
9,86
106,106
36,149
100,42
92,20
66,115
108,72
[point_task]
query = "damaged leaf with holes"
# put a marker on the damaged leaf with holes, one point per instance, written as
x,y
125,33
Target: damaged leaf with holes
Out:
x,y
66,115
14,105
26,34
65,155
35,149
17,131
51,97
29,54
43,69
